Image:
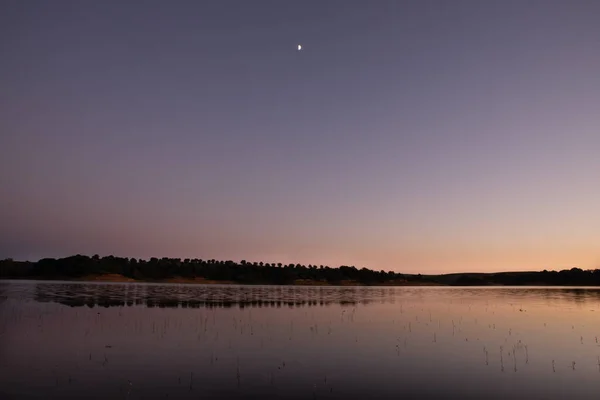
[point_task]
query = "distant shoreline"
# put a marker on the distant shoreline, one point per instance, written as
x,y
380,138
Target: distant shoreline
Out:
x,y
117,278
226,272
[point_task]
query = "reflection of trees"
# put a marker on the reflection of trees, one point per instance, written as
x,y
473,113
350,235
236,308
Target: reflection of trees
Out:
x,y
3,292
151,303
175,296
576,295
209,296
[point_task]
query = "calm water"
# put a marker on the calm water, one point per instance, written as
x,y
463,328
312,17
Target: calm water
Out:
x,y
146,341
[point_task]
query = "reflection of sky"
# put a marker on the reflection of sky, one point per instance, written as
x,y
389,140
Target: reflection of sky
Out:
x,y
415,136
430,341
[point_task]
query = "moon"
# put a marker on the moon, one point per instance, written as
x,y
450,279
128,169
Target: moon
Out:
x,y
299,47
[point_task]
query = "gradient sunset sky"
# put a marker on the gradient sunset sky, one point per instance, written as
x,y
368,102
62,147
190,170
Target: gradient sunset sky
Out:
x,y
415,136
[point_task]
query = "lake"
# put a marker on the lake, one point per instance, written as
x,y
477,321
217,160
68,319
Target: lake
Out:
x,y
165,341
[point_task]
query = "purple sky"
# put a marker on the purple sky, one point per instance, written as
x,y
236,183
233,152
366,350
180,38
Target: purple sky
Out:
x,y
424,136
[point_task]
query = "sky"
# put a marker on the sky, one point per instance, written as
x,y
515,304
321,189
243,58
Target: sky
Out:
x,y
413,136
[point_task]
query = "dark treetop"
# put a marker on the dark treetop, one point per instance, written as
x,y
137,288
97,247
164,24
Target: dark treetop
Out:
x,y
244,272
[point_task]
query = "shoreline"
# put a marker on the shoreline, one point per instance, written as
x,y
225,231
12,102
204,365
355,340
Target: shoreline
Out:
x,y
79,268
117,278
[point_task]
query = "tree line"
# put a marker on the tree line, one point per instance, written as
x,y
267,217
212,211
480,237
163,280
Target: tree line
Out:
x,y
79,266
245,272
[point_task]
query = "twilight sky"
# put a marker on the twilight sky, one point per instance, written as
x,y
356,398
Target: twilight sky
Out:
x,y
415,136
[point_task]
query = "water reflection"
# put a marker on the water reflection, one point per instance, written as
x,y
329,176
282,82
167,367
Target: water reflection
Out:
x,y
227,296
134,341
195,296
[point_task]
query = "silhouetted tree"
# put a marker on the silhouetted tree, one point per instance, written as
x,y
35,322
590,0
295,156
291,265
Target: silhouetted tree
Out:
x,y
261,272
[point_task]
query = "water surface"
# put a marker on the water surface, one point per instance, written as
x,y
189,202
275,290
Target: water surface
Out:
x,y
151,341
